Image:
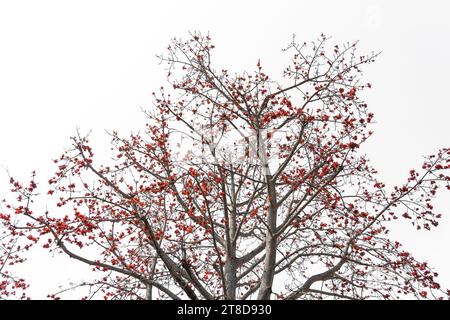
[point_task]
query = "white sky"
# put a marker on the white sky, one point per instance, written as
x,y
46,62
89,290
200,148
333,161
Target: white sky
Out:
x,y
92,64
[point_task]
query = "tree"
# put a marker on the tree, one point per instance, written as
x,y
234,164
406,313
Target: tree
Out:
x,y
241,187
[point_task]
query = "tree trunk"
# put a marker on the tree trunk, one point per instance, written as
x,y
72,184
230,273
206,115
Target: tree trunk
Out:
x,y
271,245
230,271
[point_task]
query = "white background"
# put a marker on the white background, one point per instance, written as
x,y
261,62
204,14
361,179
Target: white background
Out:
x,y
92,64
